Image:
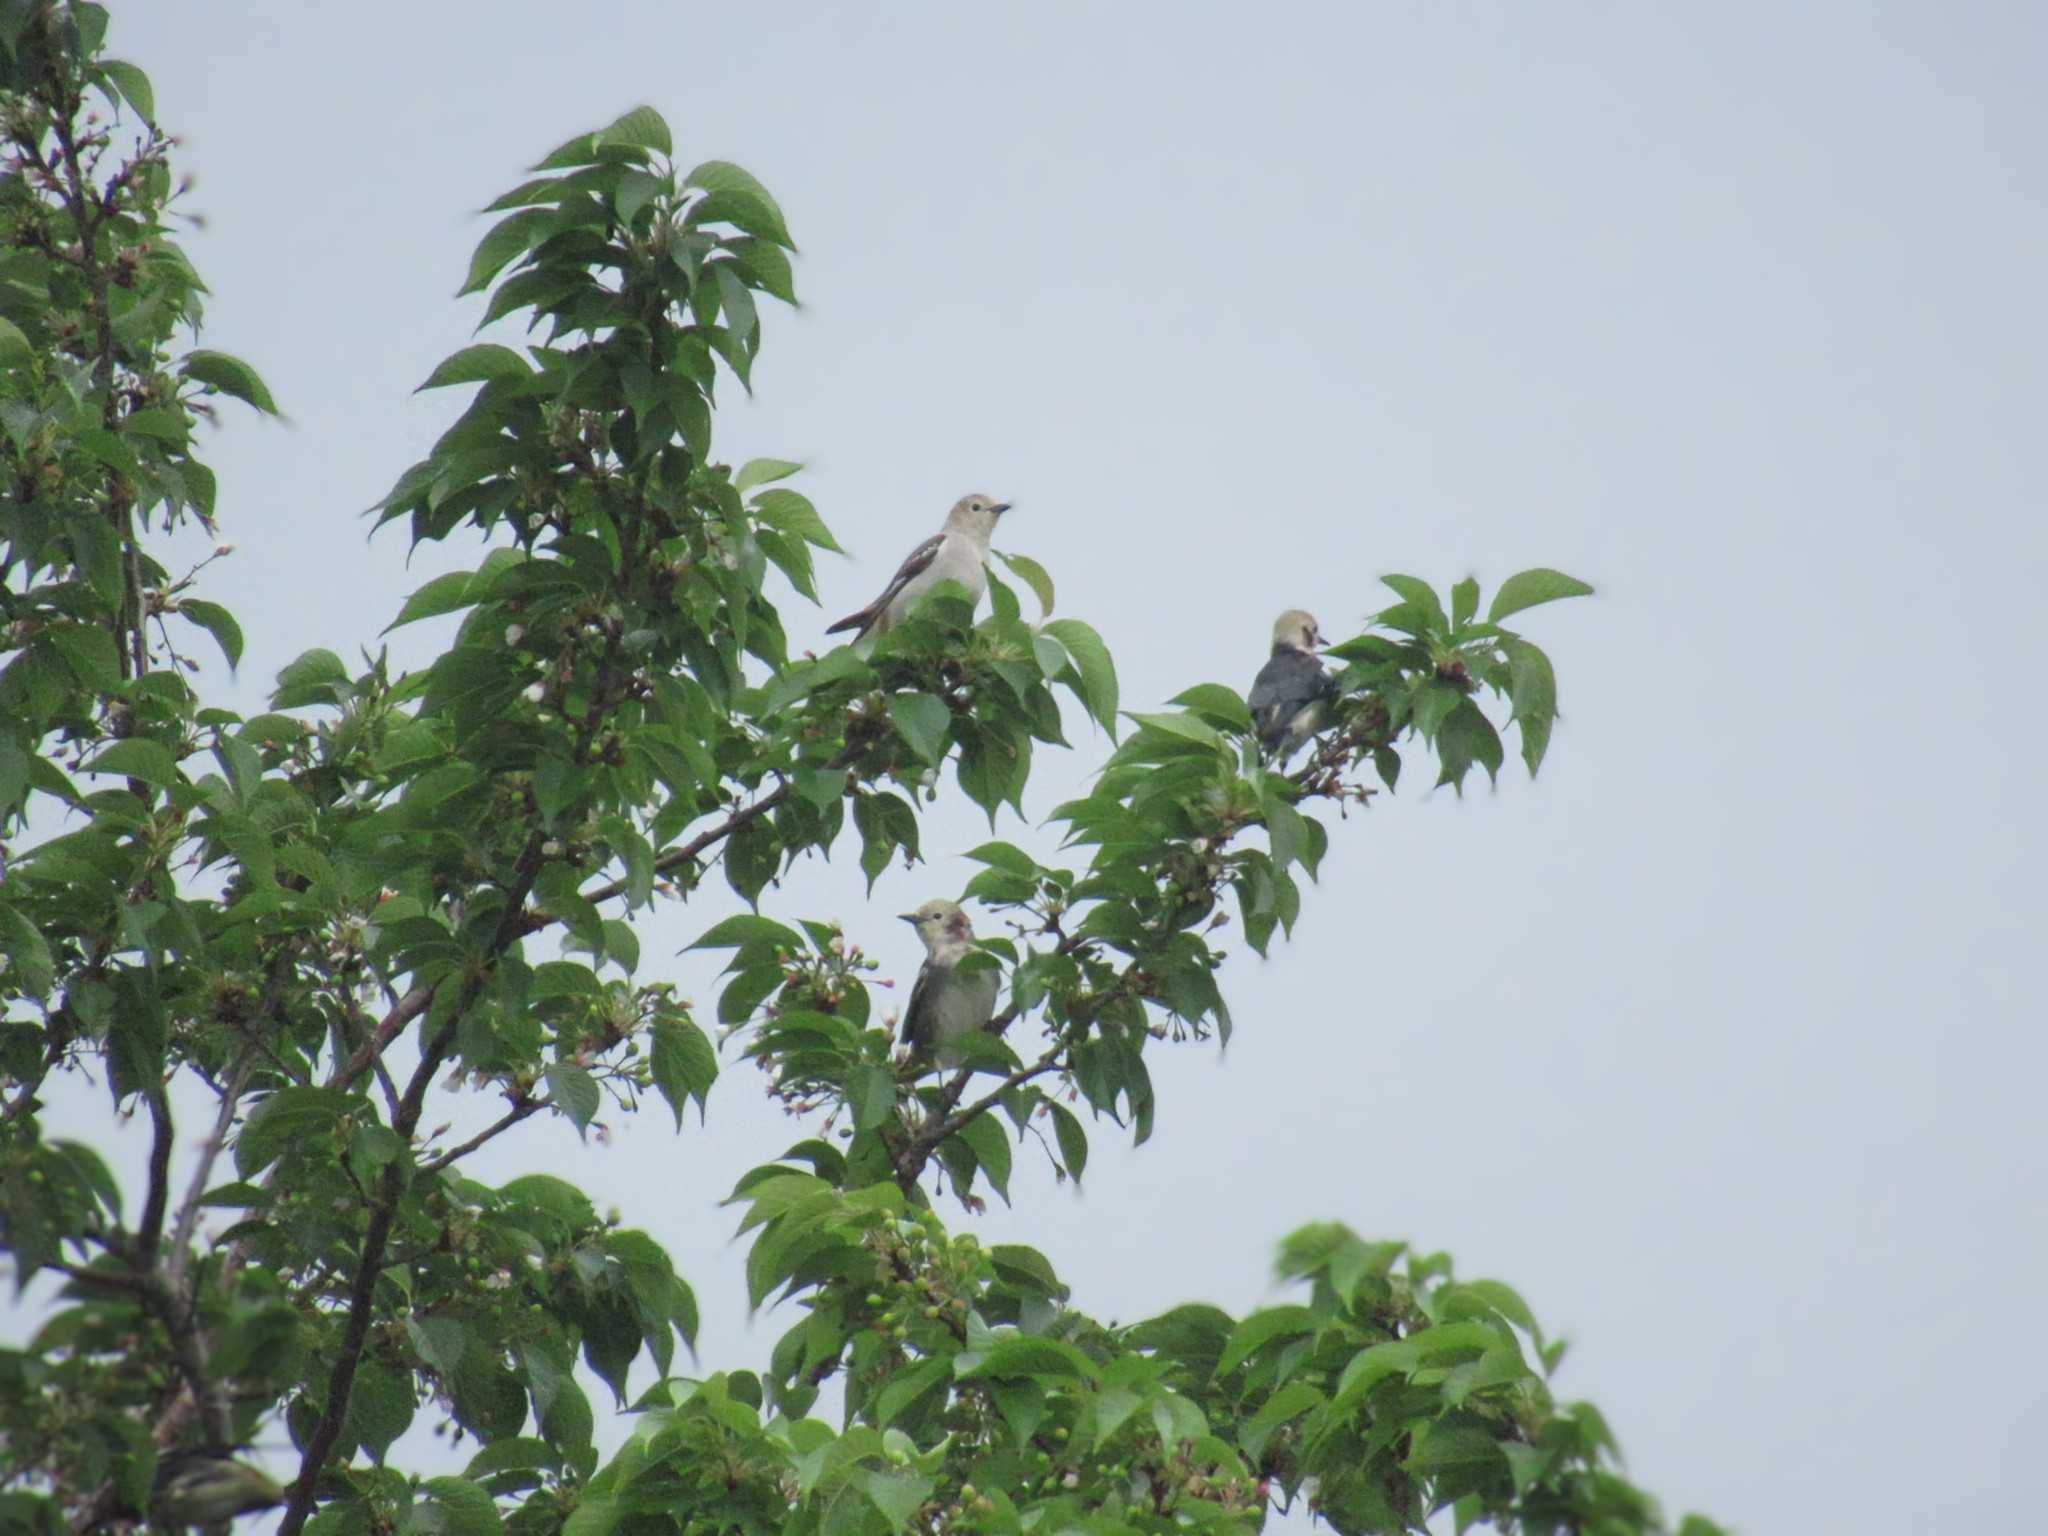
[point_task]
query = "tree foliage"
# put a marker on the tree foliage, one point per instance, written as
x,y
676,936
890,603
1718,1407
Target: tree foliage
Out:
x,y
327,923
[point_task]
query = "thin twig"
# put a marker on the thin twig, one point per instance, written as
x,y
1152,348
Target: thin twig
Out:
x,y
202,1174
521,1109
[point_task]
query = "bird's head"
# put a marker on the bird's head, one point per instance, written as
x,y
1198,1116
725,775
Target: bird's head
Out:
x,y
976,514
1297,631
939,922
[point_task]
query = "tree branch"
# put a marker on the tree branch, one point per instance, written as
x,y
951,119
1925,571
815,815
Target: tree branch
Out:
x,y
149,1235
521,1109
187,1220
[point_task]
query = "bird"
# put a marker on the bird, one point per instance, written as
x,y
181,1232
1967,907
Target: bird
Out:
x,y
200,1488
1290,697
947,1003
957,552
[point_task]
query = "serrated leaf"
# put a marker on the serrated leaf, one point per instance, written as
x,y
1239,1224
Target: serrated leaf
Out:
x,y
30,964
923,722
1464,601
761,471
133,86
716,176
991,1147
1033,575
1419,595
871,1092
748,928
1466,737
1526,589
573,1091
1073,1140
477,365
792,512
683,1064
1094,666
138,758
641,128
508,239
230,376
219,623
444,594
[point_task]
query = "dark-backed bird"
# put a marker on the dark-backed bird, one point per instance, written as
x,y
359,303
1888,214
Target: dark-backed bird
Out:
x,y
1290,697
957,552
947,1002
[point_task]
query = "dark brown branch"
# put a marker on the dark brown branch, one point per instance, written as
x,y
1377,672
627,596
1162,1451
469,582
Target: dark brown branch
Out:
x,y
917,1151
521,1109
149,1235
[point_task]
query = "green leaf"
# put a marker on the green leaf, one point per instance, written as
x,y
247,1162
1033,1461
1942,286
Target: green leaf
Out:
x,y
871,1091
132,85
138,758
898,1495
477,365
1093,664
444,594
1464,600
1073,1140
1420,595
229,375
1260,1329
1532,693
721,176
991,1147
290,1117
792,512
1467,737
88,649
1033,575
1007,857
575,1093
14,344
740,316
1217,702
923,722
683,1064
219,623
761,471
641,128
1024,1355
1526,589
745,928
29,962
466,1509
510,237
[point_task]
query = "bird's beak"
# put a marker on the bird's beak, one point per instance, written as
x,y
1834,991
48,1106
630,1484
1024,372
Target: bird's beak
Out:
x,y
1000,508
908,917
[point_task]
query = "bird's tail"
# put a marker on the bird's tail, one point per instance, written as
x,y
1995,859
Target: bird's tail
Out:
x,y
858,621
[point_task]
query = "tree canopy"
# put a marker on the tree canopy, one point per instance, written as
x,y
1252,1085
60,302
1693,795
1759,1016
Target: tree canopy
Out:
x,y
288,941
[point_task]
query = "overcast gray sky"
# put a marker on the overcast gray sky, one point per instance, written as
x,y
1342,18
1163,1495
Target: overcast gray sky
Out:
x,y
1713,1041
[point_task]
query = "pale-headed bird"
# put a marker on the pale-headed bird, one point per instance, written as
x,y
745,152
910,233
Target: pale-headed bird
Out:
x,y
947,1002
957,552
1290,697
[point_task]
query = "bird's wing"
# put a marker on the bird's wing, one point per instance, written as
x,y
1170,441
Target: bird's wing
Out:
x,y
1288,683
917,561
919,1022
